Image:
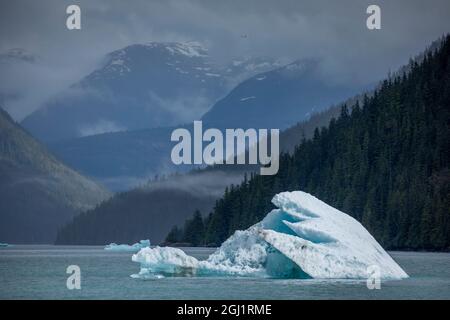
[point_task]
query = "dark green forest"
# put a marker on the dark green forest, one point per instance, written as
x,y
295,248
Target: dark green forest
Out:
x,y
154,213
384,161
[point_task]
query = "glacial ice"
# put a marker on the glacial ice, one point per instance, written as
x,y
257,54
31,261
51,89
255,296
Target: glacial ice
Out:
x,y
127,248
303,238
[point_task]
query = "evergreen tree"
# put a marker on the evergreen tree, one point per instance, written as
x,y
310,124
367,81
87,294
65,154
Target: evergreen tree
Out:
x,y
194,230
175,235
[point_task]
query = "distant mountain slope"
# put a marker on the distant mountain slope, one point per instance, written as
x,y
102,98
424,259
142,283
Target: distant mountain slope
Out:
x,y
148,212
141,86
124,160
276,99
120,160
37,193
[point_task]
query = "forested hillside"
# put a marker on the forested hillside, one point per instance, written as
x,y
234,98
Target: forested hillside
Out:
x,y
38,193
384,161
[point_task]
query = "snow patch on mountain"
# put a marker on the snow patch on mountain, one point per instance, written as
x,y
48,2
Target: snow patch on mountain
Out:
x,y
248,98
190,49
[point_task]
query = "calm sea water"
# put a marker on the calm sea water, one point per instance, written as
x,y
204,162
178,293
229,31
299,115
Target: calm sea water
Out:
x,y
39,272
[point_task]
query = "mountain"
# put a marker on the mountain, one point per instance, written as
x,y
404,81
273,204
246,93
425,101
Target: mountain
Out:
x,y
141,86
286,95
386,162
175,196
37,192
276,99
124,160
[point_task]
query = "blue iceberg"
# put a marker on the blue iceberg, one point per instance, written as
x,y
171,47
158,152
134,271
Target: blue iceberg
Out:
x,y
303,238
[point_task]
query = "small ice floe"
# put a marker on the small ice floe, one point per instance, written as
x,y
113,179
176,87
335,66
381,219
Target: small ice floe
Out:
x,y
127,248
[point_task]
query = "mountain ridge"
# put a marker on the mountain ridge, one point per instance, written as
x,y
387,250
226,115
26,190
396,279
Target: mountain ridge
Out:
x,y
38,193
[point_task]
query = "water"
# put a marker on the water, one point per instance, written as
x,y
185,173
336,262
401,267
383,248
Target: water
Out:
x,y
39,272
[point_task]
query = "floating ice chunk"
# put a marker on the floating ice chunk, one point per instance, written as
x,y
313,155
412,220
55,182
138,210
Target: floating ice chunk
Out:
x,y
303,238
242,254
161,261
127,248
330,243
4,245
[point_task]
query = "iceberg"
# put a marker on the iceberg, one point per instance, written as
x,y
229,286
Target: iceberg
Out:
x,y
127,248
243,254
303,238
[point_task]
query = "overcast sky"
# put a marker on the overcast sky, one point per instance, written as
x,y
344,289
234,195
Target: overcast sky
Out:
x,y
332,31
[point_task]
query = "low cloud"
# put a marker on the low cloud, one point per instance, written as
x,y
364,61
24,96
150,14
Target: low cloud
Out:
x,y
27,85
101,126
209,183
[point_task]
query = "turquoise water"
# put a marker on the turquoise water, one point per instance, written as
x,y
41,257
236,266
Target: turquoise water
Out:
x,y
39,272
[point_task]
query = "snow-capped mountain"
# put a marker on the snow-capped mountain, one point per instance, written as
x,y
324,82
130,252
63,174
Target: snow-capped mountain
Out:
x,y
140,86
